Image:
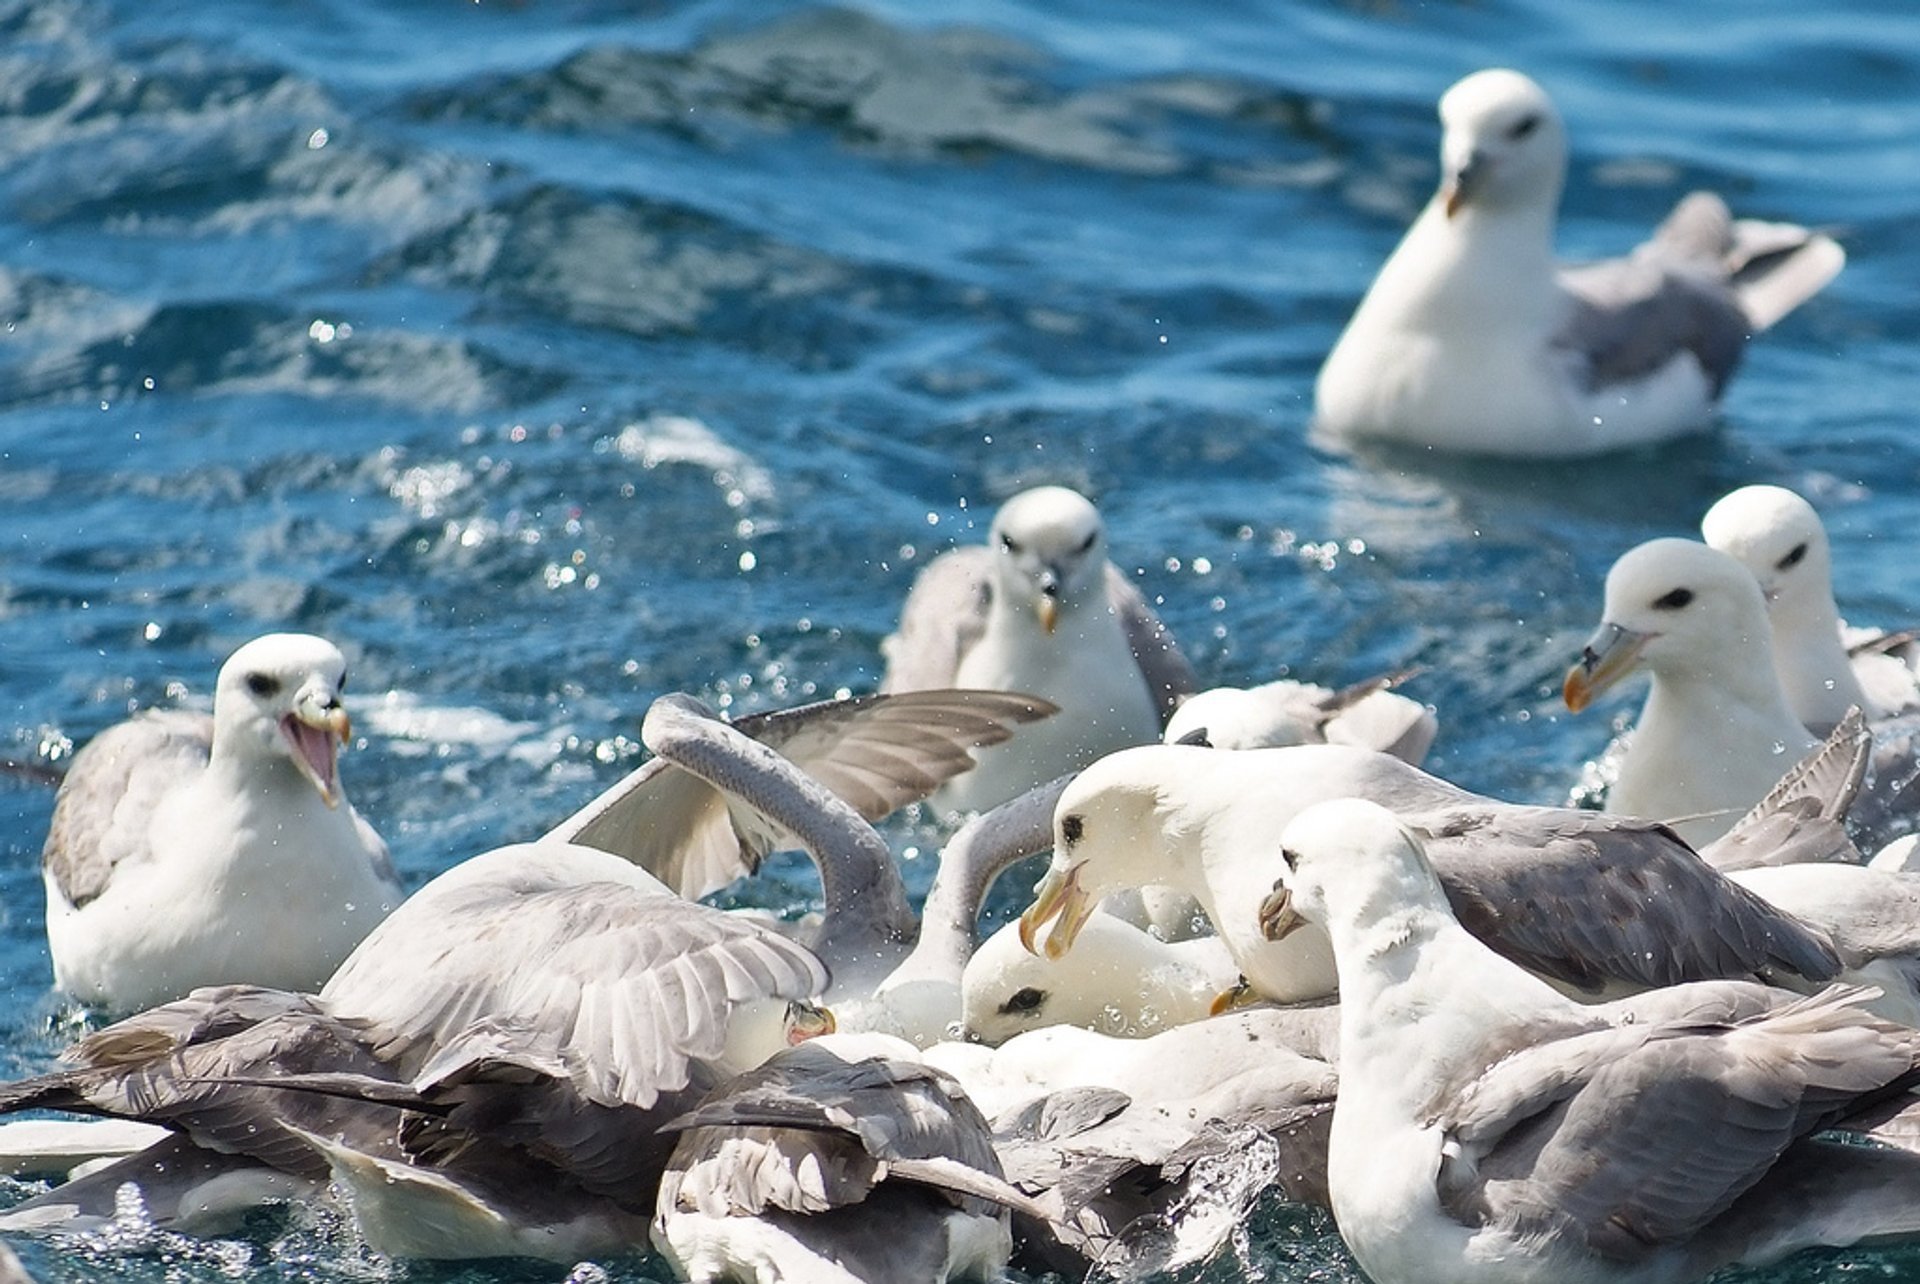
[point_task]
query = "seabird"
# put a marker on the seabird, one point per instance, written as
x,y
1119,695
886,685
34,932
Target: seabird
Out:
x,y
1472,338
1040,610
1487,1128
188,850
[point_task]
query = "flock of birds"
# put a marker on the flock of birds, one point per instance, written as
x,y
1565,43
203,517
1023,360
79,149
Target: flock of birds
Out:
x,y
1500,1042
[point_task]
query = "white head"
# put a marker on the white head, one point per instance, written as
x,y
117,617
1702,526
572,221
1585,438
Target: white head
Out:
x,y
278,697
1348,862
1778,537
1110,833
1682,610
1102,984
1503,145
1050,551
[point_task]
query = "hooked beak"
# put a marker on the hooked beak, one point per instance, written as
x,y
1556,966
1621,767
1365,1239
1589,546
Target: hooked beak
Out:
x,y
1278,918
1609,655
1240,994
1058,900
1047,605
808,1021
1461,185
314,730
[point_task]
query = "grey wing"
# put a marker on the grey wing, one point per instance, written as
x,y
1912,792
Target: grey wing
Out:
x,y
628,986
1631,316
1632,1140
880,752
1802,818
670,823
943,617
1169,676
104,808
848,1126
1590,898
876,753
1888,804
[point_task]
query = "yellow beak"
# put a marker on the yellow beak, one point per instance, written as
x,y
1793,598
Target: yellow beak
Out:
x,y
1058,901
808,1021
1278,918
1239,995
1048,609
1609,655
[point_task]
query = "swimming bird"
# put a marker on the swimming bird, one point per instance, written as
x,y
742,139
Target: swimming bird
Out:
x,y
487,1071
1487,1128
1472,338
1609,901
1715,733
188,850
1779,537
1040,610
845,1160
1368,715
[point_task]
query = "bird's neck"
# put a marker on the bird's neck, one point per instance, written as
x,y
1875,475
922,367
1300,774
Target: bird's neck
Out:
x,y
1738,699
1808,651
1484,265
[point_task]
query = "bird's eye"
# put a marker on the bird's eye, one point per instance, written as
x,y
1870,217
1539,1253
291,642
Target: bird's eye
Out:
x,y
1071,827
1086,545
1009,543
1290,856
263,685
1524,126
1026,999
1673,601
341,685
1792,559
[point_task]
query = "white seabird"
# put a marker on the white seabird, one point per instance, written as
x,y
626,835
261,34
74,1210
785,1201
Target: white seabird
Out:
x,y
188,850
1488,1129
1715,733
1273,715
1472,338
1610,901
1041,610
1118,979
1779,537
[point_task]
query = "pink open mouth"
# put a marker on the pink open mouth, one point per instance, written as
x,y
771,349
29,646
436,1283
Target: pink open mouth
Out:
x,y
313,753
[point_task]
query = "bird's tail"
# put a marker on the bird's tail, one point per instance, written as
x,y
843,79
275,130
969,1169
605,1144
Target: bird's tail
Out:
x,y
1772,267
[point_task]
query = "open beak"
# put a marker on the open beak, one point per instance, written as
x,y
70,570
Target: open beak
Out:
x,y
315,730
808,1021
1278,918
1240,994
1609,655
1058,901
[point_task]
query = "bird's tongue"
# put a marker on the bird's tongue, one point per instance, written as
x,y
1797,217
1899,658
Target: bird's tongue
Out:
x,y
315,747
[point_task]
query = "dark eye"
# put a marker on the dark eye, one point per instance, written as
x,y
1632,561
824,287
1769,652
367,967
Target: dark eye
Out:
x,y
1290,856
1023,1000
1071,827
1524,126
263,685
1086,545
1673,601
1792,559
1009,543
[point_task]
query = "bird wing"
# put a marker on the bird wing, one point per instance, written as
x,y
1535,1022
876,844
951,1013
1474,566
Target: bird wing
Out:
x,y
1169,676
1589,898
1632,1138
876,753
627,984
944,615
1631,316
103,812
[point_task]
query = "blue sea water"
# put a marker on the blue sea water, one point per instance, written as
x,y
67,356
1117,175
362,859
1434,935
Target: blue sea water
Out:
x,y
552,355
